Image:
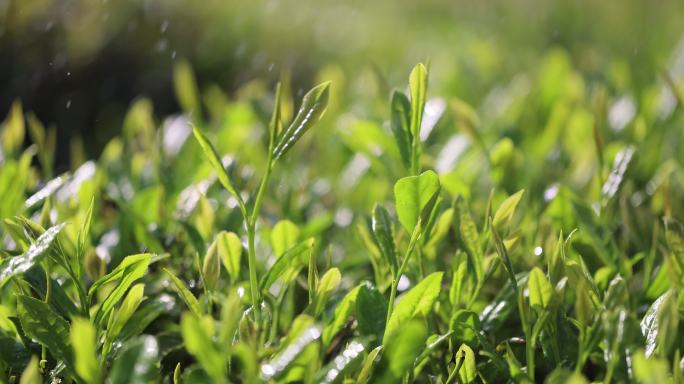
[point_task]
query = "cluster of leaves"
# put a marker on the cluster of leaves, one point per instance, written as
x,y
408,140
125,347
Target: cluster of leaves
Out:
x,y
168,260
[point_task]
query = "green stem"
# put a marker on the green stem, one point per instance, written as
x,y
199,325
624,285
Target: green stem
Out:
x,y
251,234
402,267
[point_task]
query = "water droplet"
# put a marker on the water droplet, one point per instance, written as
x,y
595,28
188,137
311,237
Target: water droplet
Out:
x,y
538,251
164,26
68,74
68,104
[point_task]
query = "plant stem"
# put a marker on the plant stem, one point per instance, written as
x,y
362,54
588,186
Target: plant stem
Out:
x,y
402,267
251,246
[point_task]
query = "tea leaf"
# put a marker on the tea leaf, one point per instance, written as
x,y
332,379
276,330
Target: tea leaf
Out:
x,y
138,362
230,250
284,236
48,328
291,258
384,235
416,302
400,122
185,294
418,85
83,337
310,112
541,290
33,255
507,209
413,196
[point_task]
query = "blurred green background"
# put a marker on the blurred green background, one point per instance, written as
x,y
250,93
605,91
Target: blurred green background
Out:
x,y
80,63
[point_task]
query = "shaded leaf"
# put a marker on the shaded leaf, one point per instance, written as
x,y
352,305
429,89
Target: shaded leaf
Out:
x,y
137,362
400,115
39,322
384,235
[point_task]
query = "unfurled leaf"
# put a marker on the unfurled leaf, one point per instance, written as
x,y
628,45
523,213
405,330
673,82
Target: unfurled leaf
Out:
x,y
120,317
400,115
83,338
310,112
342,314
541,290
401,351
413,196
292,258
469,237
39,322
465,358
384,235
33,255
133,271
326,286
215,161
185,294
285,235
137,362
230,250
343,364
371,313
659,325
417,302
198,341
507,209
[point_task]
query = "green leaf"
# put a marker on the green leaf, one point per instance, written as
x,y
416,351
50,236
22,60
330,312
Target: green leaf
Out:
x,y
541,290
185,294
31,374
466,359
413,196
649,370
118,319
211,267
342,314
215,161
13,130
465,325
343,364
384,235
416,302
186,88
231,314
371,313
418,85
33,255
507,209
230,250
469,237
137,362
310,112
39,322
326,286
674,235
197,336
132,272
83,337
620,167
366,369
284,236
400,115
292,258
660,323
401,352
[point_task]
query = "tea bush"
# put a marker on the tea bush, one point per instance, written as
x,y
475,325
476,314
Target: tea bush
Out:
x,y
356,238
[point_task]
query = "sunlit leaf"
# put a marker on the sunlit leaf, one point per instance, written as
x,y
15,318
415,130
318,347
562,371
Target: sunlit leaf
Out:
x,y
413,196
310,112
416,302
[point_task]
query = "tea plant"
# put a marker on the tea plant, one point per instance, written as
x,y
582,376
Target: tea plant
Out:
x,y
518,253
